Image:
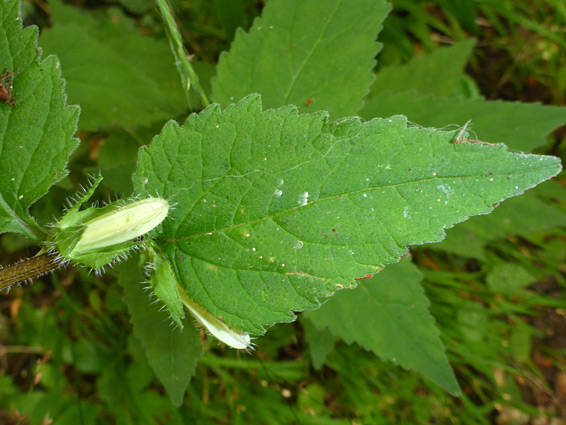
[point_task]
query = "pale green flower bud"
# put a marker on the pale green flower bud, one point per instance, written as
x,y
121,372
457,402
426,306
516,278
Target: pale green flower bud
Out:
x,y
229,336
167,289
124,224
96,237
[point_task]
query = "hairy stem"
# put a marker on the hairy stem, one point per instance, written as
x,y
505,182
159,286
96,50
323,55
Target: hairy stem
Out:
x,y
188,75
28,269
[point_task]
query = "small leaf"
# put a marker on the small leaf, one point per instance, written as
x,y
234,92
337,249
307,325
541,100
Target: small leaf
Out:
x,y
172,353
276,209
321,342
316,54
165,286
438,73
37,134
388,314
509,278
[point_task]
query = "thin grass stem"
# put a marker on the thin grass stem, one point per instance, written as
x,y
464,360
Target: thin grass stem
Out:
x,y
188,75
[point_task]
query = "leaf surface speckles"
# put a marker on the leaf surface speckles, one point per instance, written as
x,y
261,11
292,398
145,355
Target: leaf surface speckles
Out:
x,y
276,210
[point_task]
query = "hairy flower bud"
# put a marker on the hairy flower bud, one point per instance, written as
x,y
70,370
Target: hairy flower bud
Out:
x,y
167,288
96,237
123,224
229,336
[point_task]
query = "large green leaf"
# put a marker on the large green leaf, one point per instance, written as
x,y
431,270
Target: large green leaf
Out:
x,y
119,76
316,54
36,136
275,209
522,126
388,314
172,353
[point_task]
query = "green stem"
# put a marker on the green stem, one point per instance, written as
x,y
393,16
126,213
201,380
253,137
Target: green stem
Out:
x,y
28,269
188,75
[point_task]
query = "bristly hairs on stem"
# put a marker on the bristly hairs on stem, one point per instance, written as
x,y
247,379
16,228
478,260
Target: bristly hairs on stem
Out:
x,y
29,269
49,258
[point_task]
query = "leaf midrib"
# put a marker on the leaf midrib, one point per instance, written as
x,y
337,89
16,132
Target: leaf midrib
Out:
x,y
301,67
354,192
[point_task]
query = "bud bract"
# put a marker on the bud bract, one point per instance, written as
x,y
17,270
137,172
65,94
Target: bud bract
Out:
x,y
165,285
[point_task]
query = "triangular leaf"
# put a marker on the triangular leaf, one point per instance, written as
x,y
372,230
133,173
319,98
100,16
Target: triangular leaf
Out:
x,y
321,342
438,73
388,314
509,278
315,54
172,353
36,135
275,210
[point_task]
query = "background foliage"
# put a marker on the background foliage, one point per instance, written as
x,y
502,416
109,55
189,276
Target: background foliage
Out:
x,y
496,284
